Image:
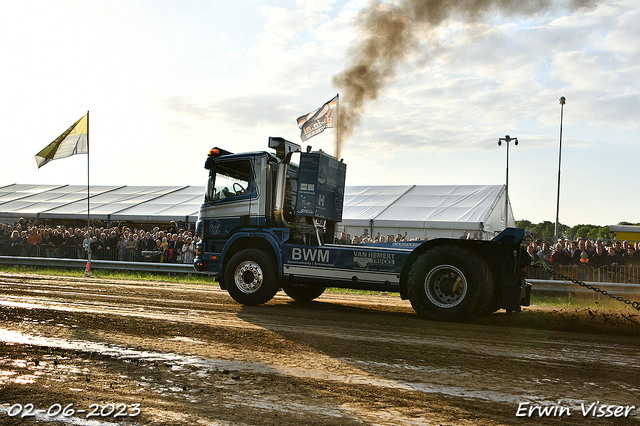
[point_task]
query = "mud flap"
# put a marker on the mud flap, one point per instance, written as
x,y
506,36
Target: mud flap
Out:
x,y
511,296
525,299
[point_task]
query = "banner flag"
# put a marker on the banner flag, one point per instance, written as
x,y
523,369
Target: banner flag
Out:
x,y
316,121
74,141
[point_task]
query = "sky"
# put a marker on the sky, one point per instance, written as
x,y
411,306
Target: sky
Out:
x,y
166,81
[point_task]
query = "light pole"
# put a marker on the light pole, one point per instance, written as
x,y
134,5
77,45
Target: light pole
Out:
x,y
507,139
557,231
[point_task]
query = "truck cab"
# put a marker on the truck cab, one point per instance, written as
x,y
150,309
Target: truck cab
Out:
x,y
267,198
236,192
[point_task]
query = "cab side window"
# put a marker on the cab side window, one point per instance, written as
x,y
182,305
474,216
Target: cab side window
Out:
x,y
232,180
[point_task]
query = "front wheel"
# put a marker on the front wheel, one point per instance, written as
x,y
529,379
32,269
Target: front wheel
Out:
x,y
303,292
449,283
250,277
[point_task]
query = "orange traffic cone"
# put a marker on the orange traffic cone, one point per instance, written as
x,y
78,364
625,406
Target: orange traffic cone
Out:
x,y
87,271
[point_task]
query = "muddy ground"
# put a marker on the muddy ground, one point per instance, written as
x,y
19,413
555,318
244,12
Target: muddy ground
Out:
x,y
141,353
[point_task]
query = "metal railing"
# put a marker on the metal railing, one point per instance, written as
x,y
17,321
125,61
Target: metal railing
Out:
x,y
605,274
44,262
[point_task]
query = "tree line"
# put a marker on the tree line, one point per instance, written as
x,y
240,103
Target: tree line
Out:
x,y
546,230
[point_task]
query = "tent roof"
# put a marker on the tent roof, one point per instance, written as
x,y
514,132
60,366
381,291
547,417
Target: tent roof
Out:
x,y
421,206
132,203
413,205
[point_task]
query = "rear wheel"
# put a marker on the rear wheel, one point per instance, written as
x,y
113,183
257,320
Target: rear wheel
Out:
x,y
449,283
303,292
250,277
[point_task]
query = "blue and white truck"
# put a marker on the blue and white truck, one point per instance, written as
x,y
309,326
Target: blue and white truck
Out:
x,y
269,222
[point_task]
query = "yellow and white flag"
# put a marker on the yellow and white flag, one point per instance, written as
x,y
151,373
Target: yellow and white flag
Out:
x,y
74,141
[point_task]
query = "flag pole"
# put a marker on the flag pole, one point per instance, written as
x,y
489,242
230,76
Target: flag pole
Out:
x,y
337,150
88,272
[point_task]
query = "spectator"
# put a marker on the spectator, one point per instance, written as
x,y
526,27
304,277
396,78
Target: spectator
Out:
x,y
173,227
144,244
584,259
545,253
575,251
188,251
561,256
112,246
16,243
94,246
164,246
343,238
617,245
178,247
122,248
625,246
132,247
599,258
101,247
57,240
152,244
614,259
44,242
86,243
69,244
531,249
33,242
589,248
630,259
78,241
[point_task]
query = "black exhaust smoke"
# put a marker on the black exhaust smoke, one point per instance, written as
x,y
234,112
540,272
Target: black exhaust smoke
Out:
x,y
388,36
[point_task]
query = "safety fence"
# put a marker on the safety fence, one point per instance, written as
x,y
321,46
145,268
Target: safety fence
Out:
x,y
147,266
604,274
66,251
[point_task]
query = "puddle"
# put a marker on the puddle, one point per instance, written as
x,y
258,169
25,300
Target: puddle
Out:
x,y
186,340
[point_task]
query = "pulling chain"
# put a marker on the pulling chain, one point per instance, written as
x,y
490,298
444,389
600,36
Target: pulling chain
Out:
x,y
634,304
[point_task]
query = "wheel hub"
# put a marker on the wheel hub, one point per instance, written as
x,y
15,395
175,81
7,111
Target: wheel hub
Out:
x,y
248,277
445,286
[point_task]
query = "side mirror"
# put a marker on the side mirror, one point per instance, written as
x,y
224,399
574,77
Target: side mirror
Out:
x,y
210,193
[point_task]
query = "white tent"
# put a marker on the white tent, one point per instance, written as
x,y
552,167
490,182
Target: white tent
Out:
x,y
426,211
421,211
109,203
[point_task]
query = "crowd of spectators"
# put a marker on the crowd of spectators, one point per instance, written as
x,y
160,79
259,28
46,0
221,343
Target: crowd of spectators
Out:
x,y
174,244
579,252
586,252
366,238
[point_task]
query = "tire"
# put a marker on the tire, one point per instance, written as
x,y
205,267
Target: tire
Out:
x,y
303,292
250,277
493,305
449,283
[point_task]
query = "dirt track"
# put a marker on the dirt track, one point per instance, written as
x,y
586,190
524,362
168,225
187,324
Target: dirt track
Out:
x,y
189,355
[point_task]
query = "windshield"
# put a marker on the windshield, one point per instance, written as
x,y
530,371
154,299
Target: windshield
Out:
x,y
232,179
